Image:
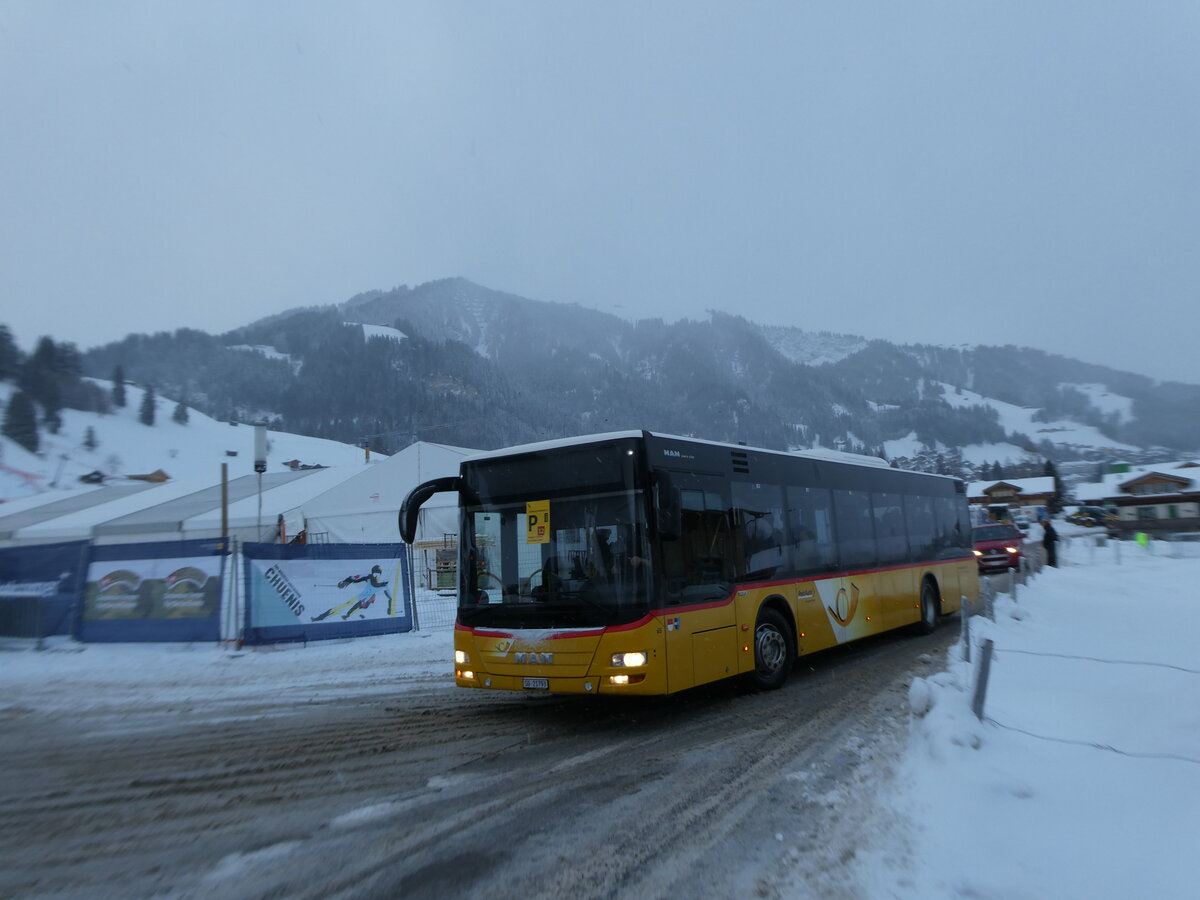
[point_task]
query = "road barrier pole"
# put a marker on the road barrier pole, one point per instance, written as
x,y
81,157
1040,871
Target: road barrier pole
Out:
x,y
965,615
981,679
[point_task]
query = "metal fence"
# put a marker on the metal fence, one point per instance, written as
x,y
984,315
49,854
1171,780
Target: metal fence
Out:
x,y
1185,545
23,617
435,610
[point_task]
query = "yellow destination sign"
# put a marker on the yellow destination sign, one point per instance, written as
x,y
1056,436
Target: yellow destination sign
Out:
x,y
537,522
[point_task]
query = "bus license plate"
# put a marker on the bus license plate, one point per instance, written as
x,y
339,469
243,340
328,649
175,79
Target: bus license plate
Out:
x,y
538,684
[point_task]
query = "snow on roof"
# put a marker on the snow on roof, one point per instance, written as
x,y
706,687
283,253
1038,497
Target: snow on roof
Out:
x,y
1175,475
558,443
1110,486
1043,484
542,446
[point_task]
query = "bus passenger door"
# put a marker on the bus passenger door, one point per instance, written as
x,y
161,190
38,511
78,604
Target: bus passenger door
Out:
x,y
697,573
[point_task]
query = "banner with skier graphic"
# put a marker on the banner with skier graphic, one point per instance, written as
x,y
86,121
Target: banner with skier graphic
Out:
x,y
311,592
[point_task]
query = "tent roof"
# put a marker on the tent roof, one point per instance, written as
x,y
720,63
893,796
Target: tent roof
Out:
x,y
278,499
57,504
171,508
384,485
174,512
111,502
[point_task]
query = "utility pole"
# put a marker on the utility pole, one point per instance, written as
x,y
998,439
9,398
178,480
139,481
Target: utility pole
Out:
x,y
260,466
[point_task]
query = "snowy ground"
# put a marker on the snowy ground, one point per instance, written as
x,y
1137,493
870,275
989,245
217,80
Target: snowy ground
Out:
x,y
1083,780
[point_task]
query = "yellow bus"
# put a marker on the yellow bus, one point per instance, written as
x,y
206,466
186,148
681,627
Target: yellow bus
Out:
x,y
640,563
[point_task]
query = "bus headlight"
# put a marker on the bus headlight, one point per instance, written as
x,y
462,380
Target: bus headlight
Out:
x,y
461,657
626,660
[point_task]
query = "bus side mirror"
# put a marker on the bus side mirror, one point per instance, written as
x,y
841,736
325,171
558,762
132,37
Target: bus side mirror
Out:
x,y
668,515
411,506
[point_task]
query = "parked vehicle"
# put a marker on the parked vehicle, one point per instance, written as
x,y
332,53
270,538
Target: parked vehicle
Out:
x,y
1089,516
997,546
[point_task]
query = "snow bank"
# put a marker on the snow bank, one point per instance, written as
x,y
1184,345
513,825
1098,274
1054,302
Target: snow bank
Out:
x,y
1083,779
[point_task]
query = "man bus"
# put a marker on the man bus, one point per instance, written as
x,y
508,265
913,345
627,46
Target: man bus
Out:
x,y
640,563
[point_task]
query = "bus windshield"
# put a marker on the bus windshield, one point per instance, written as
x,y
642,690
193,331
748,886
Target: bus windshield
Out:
x,y
543,555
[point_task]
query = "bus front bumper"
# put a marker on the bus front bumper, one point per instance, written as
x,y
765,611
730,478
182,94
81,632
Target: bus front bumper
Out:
x,y
634,683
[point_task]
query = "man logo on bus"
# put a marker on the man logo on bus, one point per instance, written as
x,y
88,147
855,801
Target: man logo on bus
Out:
x,y
846,606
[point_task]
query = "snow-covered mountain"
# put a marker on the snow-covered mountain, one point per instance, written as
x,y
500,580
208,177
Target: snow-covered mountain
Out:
x,y
459,363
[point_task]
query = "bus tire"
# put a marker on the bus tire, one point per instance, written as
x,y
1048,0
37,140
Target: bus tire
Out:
x,y
774,651
930,608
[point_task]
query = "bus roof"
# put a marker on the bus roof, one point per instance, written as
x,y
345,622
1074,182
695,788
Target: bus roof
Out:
x,y
580,440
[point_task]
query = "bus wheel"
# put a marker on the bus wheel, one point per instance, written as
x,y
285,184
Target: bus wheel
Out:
x,y
773,651
929,609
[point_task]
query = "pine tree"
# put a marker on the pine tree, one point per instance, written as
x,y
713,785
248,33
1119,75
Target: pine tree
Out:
x,y
38,374
51,397
181,413
1055,501
10,355
118,387
146,411
20,422
89,439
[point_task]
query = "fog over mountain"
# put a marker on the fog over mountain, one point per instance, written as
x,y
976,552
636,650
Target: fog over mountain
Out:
x,y
459,363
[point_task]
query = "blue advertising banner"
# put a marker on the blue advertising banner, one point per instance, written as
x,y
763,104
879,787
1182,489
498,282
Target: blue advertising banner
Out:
x,y
312,592
40,588
159,591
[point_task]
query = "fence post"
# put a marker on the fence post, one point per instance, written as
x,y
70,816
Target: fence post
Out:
x,y
981,679
41,642
412,586
1012,583
965,615
239,613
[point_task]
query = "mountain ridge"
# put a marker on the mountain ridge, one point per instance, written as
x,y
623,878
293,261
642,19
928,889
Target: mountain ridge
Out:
x,y
464,364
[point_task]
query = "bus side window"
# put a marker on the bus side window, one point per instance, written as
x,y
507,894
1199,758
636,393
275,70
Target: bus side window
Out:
x,y
922,530
954,536
810,530
889,527
855,528
758,510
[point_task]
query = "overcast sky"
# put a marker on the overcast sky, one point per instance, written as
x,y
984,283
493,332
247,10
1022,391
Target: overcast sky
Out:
x,y
955,172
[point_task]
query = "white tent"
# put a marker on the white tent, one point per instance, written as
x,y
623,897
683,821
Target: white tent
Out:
x,y
365,509
342,504
176,510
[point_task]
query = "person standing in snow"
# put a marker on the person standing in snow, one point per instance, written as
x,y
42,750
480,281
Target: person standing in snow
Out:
x,y
1049,540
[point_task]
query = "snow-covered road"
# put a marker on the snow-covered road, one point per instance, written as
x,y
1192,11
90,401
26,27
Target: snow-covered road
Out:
x,y
342,770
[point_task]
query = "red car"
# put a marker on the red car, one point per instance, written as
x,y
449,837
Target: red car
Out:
x,y
997,546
